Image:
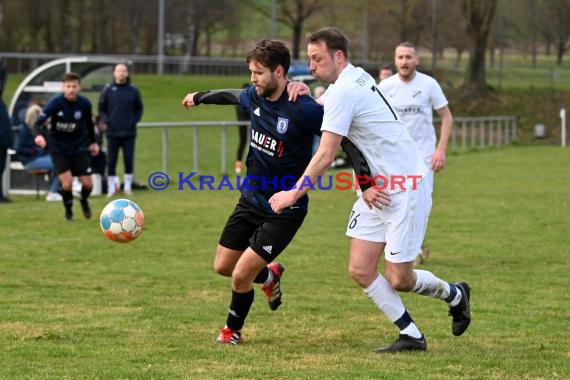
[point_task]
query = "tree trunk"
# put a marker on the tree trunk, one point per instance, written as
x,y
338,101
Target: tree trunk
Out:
x,y
297,27
478,16
458,58
190,40
65,20
296,40
135,24
560,49
80,28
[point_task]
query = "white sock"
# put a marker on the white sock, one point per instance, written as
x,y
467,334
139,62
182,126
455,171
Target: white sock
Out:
x,y
427,284
412,330
112,184
128,182
389,301
386,298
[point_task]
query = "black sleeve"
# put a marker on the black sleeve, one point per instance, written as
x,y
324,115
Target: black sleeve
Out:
x,y
358,162
218,97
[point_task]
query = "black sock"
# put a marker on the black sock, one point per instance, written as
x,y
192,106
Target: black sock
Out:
x,y
85,192
261,276
239,308
404,321
452,293
67,199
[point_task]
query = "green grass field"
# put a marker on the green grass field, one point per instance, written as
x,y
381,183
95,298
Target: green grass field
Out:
x,y
74,305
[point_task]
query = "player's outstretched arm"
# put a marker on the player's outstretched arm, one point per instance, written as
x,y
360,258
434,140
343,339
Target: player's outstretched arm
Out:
x,y
221,97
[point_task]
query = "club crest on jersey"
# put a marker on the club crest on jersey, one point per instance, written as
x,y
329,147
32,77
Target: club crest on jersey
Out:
x,y
77,115
282,125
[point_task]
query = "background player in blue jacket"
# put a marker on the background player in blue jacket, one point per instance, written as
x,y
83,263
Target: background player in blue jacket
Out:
x,y
70,139
281,141
120,109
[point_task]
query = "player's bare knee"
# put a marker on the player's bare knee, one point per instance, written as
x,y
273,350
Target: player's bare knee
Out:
x,y
401,284
239,282
359,275
222,269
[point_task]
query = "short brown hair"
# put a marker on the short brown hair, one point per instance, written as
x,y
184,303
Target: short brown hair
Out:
x,y
333,38
407,44
271,53
71,76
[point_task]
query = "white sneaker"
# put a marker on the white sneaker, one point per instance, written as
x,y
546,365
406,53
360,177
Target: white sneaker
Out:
x,y
128,192
112,193
53,197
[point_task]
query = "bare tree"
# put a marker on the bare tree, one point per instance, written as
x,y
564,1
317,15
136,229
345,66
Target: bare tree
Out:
x,y
558,14
293,14
450,24
78,47
478,15
65,15
135,23
414,17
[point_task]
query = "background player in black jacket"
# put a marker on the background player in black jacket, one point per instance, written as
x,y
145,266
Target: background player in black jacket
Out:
x,y
120,109
70,139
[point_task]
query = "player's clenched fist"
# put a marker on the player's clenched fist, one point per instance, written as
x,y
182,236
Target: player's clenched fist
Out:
x,y
188,100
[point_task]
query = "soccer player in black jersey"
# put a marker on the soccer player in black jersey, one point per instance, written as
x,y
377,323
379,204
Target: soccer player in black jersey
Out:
x,y
70,138
282,134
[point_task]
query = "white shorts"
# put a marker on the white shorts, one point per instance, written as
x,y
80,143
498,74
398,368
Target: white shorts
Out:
x,y
402,225
429,179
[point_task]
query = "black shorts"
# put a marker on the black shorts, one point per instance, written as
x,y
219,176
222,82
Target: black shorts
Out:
x,y
268,234
78,164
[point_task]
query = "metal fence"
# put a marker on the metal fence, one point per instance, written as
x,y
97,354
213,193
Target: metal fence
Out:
x,y
196,125
467,133
482,131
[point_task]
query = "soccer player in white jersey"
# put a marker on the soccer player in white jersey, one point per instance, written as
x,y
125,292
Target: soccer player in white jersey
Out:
x,y
390,221
415,95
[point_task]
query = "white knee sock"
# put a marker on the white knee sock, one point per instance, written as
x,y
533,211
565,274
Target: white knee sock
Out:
x,y
386,298
128,182
389,301
427,284
112,184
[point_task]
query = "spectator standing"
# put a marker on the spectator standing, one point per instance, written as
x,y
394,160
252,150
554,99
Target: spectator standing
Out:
x,y
120,109
32,156
70,139
415,95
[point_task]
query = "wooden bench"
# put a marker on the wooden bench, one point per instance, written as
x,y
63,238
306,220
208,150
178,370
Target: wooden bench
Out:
x,y
39,175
